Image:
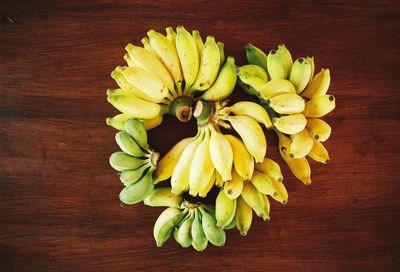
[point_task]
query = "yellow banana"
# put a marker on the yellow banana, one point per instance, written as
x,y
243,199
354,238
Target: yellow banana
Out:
x,y
221,154
146,44
286,103
282,194
302,143
300,74
290,124
256,56
242,160
243,216
207,186
311,62
267,208
319,129
233,188
218,180
171,35
279,63
128,60
319,85
253,110
253,198
118,121
263,183
198,40
134,106
225,209
162,197
275,87
319,106
153,123
271,168
319,153
251,77
221,47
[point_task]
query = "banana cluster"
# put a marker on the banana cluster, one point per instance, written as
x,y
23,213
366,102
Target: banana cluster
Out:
x,y
295,100
166,74
136,162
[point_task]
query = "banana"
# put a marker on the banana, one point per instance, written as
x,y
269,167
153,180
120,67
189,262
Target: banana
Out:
x,y
224,84
121,161
267,208
300,74
243,216
319,129
310,60
165,224
319,106
263,183
299,166
319,85
224,209
242,160
209,65
253,110
214,234
286,103
221,47
127,144
167,53
290,124
171,35
282,195
146,44
302,143
271,168
137,191
137,131
167,164
251,134
319,153
207,186
201,168
135,106
152,123
188,55
183,233
275,87
118,121
142,58
162,197
251,77
279,63
234,187
200,240
286,58
221,154
218,180
231,225
256,56
111,92
253,198
198,40
181,172
128,60
132,176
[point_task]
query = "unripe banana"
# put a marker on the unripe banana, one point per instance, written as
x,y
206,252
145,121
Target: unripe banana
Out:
x,y
233,188
121,161
253,110
263,183
275,87
167,164
319,106
224,84
171,35
231,224
243,216
200,240
152,123
137,191
198,40
251,77
267,208
200,247
214,234
251,134
134,106
256,56
221,154
242,159
209,65
253,198
183,233
319,129
165,224
271,168
136,129
300,74
290,124
127,144
131,176
225,209
302,143
286,103
319,153
118,121
282,195
221,53
162,197
319,85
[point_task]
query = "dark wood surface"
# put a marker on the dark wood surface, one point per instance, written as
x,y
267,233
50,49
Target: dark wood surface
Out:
x,y
59,209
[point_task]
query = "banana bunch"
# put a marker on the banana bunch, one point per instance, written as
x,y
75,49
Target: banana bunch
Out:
x,y
191,224
295,99
136,162
166,73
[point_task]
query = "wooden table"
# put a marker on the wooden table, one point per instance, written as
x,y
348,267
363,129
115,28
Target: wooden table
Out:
x,y
59,209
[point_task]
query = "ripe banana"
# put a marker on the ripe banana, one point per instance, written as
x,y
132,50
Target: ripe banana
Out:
x,y
127,144
319,85
225,209
253,198
286,103
137,131
319,106
199,41
207,186
290,124
251,77
137,191
319,129
152,123
162,197
301,145
121,161
146,44
256,56
233,188
267,208
165,224
282,195
221,154
311,62
221,47
300,74
242,160
279,63
135,106
171,35
253,110
319,153
271,168
263,183
275,87
243,216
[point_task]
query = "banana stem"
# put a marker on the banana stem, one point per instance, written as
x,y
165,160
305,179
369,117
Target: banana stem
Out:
x,y
182,108
202,112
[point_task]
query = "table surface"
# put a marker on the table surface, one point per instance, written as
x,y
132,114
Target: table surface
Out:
x,y
59,207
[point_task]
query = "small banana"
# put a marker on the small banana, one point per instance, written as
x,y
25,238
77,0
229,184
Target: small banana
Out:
x,y
290,124
319,129
152,123
286,58
271,168
224,84
127,144
300,74
121,161
199,239
282,194
242,160
310,60
118,121
286,103
221,154
131,176
218,180
251,134
234,187
256,56
165,224
146,44
301,145
137,131
267,208
162,197
275,87
183,234
263,183
243,216
279,63
221,47
225,209
251,77
319,106
137,191
135,106
207,186
319,153
214,234
319,85
209,65
253,110
198,40
253,198
171,35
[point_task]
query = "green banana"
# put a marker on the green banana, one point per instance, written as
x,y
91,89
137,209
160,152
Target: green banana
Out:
x,y
165,224
121,161
138,191
127,144
136,129
118,121
182,233
131,176
256,56
200,240
224,209
215,235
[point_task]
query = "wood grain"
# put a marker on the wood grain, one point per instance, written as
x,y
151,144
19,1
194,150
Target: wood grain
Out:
x,y
59,209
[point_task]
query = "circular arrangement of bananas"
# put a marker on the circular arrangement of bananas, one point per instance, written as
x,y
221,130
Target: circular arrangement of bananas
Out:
x,y
213,181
